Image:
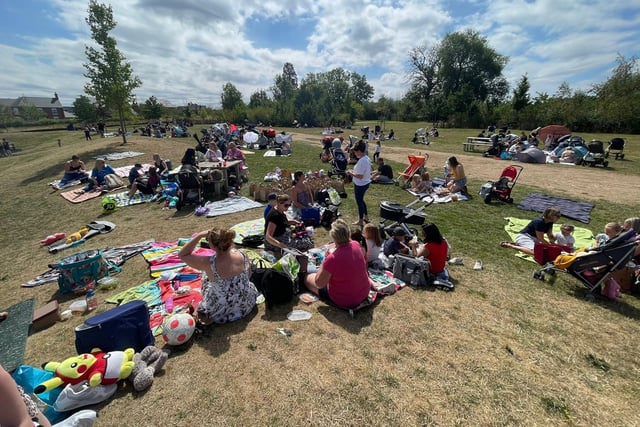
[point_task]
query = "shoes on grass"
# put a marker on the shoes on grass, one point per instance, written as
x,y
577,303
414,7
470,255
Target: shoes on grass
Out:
x,y
79,395
456,261
478,265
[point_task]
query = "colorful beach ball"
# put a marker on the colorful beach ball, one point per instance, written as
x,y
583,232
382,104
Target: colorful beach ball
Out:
x,y
178,328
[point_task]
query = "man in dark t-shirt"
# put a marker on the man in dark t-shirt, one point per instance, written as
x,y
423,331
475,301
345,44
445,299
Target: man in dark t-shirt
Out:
x,y
384,174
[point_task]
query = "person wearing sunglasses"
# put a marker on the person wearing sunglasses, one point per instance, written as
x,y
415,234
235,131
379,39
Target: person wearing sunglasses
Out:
x,y
277,233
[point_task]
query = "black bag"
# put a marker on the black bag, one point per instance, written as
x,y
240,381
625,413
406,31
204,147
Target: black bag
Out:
x,y
258,269
277,287
329,215
253,241
322,197
413,271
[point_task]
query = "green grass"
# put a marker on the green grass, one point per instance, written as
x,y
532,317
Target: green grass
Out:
x,y
503,349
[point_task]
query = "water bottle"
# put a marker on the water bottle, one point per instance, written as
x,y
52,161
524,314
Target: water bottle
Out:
x,y
168,305
92,299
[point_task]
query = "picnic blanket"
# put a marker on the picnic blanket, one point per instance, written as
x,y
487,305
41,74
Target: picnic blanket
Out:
x,y
56,184
439,198
118,156
123,171
122,199
114,256
156,292
79,196
13,334
248,228
230,205
583,236
163,256
273,153
580,211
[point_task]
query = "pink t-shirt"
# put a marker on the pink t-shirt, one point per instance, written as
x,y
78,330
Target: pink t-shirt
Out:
x,y
349,282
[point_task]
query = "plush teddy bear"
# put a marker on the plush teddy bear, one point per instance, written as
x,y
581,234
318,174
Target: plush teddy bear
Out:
x,y
147,363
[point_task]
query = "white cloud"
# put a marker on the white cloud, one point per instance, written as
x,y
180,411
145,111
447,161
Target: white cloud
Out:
x,y
187,50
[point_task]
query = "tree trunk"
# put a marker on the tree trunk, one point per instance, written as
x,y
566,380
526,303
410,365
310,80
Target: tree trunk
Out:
x,y
122,126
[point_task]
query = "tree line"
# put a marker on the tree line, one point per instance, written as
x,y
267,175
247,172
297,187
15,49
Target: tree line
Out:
x,y
456,82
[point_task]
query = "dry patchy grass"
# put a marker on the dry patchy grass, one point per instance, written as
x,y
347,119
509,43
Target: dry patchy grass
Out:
x,y
503,349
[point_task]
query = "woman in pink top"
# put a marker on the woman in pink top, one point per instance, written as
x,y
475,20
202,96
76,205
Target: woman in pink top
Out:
x,y
343,277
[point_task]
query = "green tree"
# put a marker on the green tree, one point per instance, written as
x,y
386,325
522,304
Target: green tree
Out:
x,y
111,78
259,99
520,98
361,91
618,106
31,113
152,109
284,90
6,115
85,110
231,98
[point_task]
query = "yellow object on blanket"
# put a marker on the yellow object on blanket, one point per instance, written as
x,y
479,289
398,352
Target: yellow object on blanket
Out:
x,y
74,237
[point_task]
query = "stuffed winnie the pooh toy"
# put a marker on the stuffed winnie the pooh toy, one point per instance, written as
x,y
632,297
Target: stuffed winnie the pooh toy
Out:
x,y
96,368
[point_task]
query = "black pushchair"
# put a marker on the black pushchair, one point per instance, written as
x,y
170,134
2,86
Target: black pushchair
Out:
x,y
616,147
501,189
595,268
595,155
190,191
396,215
338,163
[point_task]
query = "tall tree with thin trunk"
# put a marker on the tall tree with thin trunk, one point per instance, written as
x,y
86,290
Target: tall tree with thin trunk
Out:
x,y
111,78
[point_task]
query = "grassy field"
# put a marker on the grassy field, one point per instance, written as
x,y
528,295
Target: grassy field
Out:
x,y
503,349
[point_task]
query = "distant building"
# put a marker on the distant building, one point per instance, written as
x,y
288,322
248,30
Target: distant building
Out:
x,y
50,106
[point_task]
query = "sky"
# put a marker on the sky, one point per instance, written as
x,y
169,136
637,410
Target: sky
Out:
x,y
186,50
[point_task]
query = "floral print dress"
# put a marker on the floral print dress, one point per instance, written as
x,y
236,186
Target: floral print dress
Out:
x,y
227,300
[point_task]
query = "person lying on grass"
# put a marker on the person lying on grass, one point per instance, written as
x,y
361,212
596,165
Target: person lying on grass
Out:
x,y
535,232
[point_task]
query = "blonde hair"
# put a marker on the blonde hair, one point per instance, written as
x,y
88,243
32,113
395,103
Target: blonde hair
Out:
x,y
340,232
632,224
372,232
613,226
221,239
551,211
569,228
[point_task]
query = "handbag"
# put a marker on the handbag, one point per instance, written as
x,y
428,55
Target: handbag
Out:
x,y
80,269
413,271
122,327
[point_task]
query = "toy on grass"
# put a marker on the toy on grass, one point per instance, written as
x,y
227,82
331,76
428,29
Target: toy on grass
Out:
x,y
96,368
108,204
147,364
52,238
78,235
178,328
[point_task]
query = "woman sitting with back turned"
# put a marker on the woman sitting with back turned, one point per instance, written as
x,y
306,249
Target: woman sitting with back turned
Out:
x,y
342,278
227,292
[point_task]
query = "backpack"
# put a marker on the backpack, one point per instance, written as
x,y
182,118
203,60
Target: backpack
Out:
x,y
112,181
277,287
329,215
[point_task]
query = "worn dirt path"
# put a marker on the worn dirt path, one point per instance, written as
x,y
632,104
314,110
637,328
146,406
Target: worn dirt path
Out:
x,y
575,182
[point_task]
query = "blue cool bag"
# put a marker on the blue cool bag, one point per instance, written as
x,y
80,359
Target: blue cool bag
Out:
x,y
122,327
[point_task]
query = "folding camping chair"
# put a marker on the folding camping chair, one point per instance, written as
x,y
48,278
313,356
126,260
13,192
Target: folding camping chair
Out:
x,y
416,165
